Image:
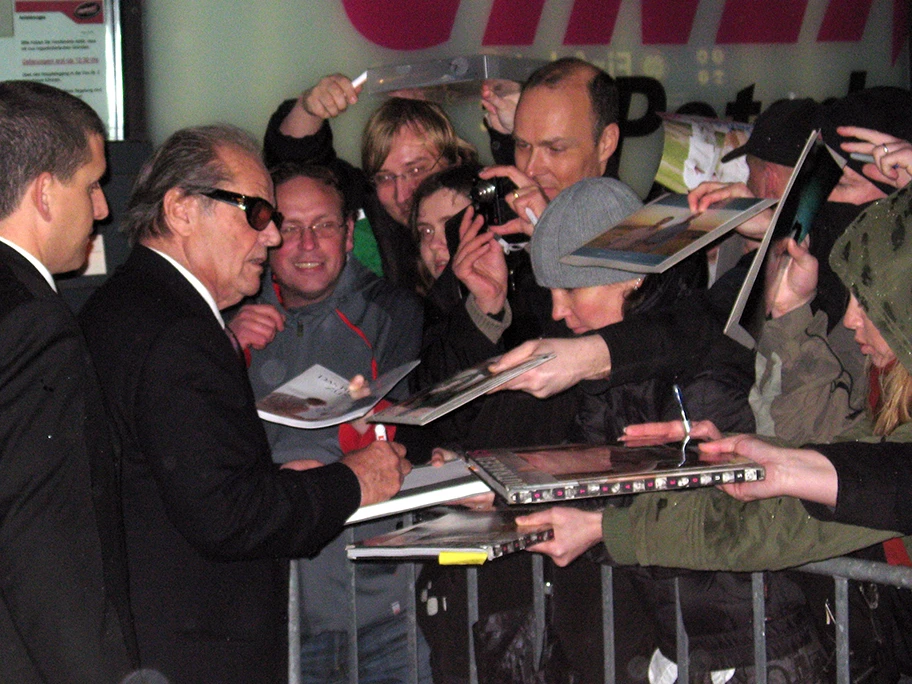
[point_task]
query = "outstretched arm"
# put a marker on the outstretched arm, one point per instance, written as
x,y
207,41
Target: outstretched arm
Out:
x,y
331,96
706,529
582,358
801,473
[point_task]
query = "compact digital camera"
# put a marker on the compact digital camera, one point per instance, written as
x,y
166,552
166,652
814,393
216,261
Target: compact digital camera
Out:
x,y
489,199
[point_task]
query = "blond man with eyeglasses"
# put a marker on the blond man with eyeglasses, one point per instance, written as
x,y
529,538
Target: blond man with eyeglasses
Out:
x,y
404,141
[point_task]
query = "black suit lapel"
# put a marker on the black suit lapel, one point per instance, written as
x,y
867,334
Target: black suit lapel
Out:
x,y
15,267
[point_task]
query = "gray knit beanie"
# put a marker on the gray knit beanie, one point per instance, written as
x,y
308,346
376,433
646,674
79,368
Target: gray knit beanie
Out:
x,y
581,212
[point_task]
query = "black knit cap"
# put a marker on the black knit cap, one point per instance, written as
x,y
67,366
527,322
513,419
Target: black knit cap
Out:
x,y
780,132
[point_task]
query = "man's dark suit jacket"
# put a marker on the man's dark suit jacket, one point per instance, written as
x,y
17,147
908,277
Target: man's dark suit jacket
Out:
x,y
209,517
63,581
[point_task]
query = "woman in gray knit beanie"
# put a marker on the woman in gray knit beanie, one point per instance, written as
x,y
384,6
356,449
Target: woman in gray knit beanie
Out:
x,y
587,298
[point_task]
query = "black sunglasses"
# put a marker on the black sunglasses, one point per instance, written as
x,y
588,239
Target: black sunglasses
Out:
x,y
259,212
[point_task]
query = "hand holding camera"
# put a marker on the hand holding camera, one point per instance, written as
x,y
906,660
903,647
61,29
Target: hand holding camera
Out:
x,y
522,196
479,263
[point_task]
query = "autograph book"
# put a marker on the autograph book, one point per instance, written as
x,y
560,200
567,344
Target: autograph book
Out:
x,y
815,175
453,392
458,537
662,233
424,486
559,473
320,398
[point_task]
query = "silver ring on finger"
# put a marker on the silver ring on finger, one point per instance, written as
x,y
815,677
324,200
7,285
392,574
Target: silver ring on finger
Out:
x,y
886,149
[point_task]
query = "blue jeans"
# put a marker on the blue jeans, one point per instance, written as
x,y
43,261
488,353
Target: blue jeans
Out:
x,y
383,656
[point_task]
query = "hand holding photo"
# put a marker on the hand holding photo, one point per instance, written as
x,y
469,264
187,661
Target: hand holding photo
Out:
x,y
457,537
320,398
536,475
662,233
450,394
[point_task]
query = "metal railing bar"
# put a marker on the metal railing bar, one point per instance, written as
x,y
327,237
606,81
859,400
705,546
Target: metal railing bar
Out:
x,y
840,569
862,571
843,674
759,601
683,643
608,623
538,606
353,615
472,597
294,624
412,610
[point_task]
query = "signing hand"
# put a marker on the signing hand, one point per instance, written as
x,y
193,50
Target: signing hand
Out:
x,y
575,532
480,264
380,468
256,325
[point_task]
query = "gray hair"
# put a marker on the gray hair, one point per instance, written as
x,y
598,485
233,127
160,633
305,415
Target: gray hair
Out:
x,y
189,160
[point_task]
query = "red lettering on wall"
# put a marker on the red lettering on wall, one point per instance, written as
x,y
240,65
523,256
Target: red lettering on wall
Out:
x,y
591,22
668,22
844,20
403,24
417,24
751,22
513,22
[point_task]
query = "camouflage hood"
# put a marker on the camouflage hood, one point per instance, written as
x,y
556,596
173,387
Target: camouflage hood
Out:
x,y
874,260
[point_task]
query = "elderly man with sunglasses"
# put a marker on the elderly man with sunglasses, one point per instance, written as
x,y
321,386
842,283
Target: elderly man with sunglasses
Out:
x,y
210,520
319,306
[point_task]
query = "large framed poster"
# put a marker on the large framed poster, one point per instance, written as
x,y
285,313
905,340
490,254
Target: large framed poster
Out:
x,y
74,45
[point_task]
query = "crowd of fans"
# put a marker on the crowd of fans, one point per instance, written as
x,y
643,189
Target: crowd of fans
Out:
x,y
186,509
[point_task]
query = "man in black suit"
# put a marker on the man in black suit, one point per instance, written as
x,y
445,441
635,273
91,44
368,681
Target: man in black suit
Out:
x,y
210,520
64,612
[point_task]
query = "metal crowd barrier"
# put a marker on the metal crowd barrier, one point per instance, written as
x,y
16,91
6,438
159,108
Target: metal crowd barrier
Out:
x,y
840,569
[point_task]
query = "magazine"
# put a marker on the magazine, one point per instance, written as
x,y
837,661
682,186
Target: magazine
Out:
x,y
812,180
693,149
457,537
424,486
662,233
452,393
320,398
